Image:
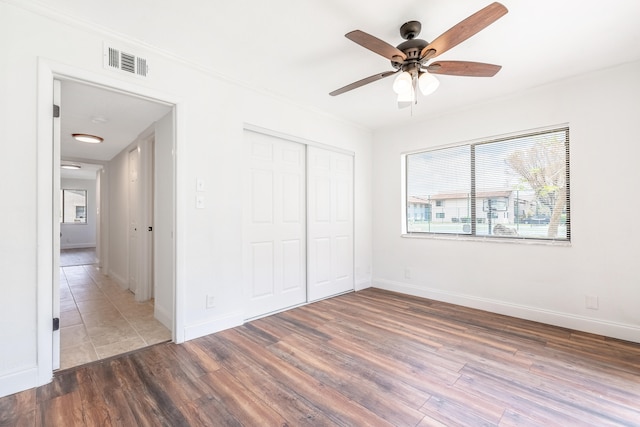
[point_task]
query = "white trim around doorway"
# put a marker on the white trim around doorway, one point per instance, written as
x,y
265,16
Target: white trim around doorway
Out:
x,y
47,71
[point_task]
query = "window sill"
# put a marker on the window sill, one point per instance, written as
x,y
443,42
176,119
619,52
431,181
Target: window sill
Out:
x,y
467,238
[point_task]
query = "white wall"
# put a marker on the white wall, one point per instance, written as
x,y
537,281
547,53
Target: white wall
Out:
x,y
118,252
540,282
80,235
211,112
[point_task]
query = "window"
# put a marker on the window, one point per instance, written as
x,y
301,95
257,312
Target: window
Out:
x,y
73,207
515,187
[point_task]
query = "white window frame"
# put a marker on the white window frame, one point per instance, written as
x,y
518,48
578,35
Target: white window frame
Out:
x,y
63,207
479,237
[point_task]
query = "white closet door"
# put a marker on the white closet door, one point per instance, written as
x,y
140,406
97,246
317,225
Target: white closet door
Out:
x,y
274,224
330,223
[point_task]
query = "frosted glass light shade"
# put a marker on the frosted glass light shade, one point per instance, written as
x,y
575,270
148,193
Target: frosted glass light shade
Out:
x,y
403,83
428,83
406,98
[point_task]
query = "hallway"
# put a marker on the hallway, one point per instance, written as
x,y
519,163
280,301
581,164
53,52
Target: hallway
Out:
x,y
99,319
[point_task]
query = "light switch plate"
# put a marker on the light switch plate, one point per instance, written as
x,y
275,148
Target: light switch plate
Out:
x,y
199,201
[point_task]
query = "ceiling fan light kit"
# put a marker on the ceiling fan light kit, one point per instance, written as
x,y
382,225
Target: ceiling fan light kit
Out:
x,y
428,83
405,86
406,99
403,83
409,58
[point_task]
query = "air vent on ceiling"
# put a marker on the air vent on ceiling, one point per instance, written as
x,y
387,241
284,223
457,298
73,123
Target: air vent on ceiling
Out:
x,y
117,59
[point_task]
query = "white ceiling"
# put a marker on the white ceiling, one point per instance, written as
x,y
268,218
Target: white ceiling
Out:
x,y
86,171
114,116
297,49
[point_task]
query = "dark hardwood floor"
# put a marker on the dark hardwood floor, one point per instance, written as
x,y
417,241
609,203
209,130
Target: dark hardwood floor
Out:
x,y
372,358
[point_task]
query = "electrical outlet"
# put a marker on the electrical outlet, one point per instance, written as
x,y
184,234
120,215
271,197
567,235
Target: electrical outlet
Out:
x,y
407,273
211,301
591,302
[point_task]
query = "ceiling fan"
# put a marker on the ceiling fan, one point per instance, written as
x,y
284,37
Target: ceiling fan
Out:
x,y
409,59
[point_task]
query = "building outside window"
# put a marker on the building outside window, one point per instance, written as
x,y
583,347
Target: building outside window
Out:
x,y
509,187
73,206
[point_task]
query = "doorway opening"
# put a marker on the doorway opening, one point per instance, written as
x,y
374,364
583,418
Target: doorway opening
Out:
x,y
112,305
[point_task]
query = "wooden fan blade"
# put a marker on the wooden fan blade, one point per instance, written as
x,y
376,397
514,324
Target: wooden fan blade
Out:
x,y
463,30
363,82
463,68
376,45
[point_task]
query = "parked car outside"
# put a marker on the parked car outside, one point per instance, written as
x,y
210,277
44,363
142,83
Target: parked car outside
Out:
x,y
536,219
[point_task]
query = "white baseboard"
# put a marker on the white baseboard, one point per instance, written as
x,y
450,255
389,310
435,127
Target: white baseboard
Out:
x,y
124,284
18,381
362,285
163,315
212,326
77,245
566,320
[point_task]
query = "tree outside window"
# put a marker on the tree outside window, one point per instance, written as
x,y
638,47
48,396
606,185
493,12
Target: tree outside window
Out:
x,y
516,187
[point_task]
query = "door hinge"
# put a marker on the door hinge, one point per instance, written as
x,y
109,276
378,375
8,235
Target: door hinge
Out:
x,y
56,323
56,111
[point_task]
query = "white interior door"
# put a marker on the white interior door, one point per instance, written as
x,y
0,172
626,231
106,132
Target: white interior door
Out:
x,y
330,223
164,208
56,224
274,215
144,234
134,197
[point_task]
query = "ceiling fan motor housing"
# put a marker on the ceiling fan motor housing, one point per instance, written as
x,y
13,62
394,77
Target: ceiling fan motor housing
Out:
x,y
412,48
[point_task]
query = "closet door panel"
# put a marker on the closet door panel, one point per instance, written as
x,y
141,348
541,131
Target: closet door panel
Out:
x,y
330,223
274,224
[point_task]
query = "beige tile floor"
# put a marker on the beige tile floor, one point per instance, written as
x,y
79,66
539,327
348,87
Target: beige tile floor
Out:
x,y
99,319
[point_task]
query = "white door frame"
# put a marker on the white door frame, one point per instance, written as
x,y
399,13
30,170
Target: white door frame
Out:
x,y
48,70
56,224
